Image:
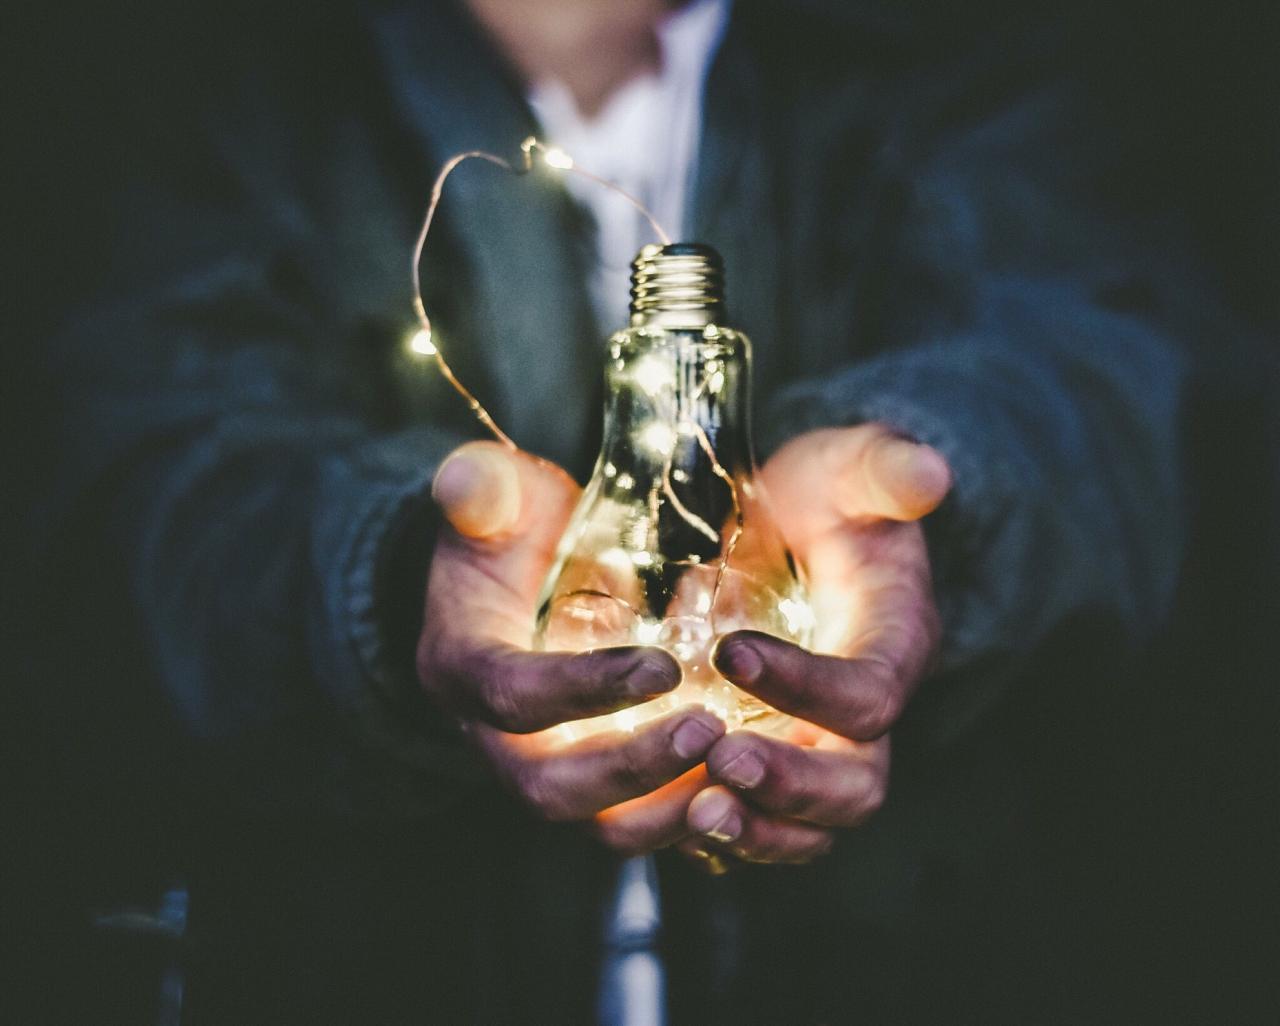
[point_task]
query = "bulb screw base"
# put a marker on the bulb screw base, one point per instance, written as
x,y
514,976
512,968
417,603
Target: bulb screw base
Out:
x,y
679,285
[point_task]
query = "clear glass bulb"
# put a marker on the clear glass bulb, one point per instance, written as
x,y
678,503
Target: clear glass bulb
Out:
x,y
643,560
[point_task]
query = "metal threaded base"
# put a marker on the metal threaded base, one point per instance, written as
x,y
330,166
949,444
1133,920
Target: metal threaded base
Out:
x,y
680,285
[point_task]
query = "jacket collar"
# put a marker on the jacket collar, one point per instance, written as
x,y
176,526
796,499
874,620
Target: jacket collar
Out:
x,y
523,263
735,204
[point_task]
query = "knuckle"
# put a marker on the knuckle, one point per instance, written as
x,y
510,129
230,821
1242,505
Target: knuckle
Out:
x,y
790,797
867,797
804,687
539,792
633,772
873,797
818,846
882,705
925,634
503,705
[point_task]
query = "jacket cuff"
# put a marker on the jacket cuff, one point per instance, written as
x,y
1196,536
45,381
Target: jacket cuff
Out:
x,y
379,545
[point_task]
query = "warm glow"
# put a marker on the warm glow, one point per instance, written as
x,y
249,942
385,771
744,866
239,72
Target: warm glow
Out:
x,y
557,158
615,559
659,438
798,614
420,343
652,375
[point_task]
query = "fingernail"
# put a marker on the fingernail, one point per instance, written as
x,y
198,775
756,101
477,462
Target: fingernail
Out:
x,y
711,862
716,866
916,476
693,738
716,818
739,661
652,675
744,770
935,468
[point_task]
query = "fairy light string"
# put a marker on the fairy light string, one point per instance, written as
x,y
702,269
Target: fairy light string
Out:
x,y
553,157
557,159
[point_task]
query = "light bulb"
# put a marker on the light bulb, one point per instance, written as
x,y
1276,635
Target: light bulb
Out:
x,y
420,342
672,543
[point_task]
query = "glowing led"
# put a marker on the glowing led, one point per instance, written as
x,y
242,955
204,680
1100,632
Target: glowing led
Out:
x,y
652,375
420,343
649,632
703,605
615,559
626,482
610,470
642,558
715,382
659,438
799,615
557,158
637,536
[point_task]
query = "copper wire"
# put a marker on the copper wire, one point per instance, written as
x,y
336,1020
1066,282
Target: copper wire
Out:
x,y
527,148
564,163
419,307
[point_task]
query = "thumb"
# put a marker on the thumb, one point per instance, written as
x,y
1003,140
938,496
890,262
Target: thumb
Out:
x,y
891,477
478,489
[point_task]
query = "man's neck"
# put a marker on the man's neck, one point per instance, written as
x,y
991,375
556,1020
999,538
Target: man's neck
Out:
x,y
594,47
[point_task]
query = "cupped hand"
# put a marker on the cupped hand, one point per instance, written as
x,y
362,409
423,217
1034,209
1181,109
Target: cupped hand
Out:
x,y
848,502
505,512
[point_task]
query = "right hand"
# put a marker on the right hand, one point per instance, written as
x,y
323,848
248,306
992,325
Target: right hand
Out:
x,y
505,513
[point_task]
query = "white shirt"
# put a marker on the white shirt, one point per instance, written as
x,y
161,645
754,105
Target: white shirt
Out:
x,y
646,139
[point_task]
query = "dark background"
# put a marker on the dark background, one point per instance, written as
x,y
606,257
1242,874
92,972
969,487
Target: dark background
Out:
x,y
1173,850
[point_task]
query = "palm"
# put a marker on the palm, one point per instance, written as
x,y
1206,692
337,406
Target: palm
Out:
x,y
848,502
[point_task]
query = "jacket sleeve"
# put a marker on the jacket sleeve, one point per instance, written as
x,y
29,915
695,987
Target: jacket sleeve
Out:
x,y
222,441
1034,342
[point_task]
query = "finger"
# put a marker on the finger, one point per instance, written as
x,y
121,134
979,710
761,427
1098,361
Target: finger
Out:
x,y
478,489
522,692
485,588
487,491
575,781
652,821
887,476
722,817
855,698
837,786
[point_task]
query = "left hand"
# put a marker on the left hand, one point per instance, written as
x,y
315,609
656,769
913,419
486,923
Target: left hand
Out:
x,y
848,502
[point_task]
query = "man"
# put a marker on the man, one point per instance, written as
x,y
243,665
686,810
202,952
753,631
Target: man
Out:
x,y
941,307
473,653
